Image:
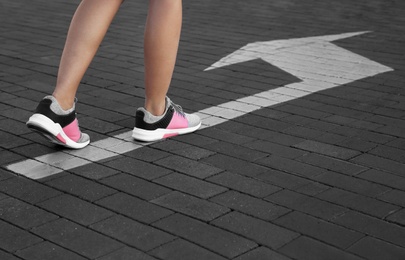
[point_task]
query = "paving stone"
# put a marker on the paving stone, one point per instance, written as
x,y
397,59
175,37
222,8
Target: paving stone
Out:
x,y
321,125
380,163
341,111
386,231
384,178
397,143
307,248
214,239
392,131
250,205
391,153
48,251
136,186
182,249
306,204
312,189
103,114
97,125
244,184
14,127
3,196
13,238
376,137
300,120
194,153
4,174
303,132
200,141
189,167
92,153
147,154
127,253
292,166
273,148
8,157
225,136
354,185
75,209
372,248
27,190
133,233
394,196
77,238
17,114
358,144
332,164
319,229
330,138
398,217
365,125
264,233
140,210
38,139
34,169
276,137
33,150
138,168
11,141
299,110
170,145
283,180
7,256
94,171
98,102
344,131
236,151
262,253
191,206
22,214
190,185
81,187
327,149
262,122
234,165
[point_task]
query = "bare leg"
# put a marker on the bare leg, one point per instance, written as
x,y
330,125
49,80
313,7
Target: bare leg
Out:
x,y
87,29
161,42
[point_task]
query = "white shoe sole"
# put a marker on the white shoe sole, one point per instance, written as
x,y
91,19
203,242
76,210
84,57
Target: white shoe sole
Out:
x,y
50,130
160,133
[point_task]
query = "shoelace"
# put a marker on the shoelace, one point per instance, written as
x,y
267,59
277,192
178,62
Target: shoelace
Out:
x,y
178,109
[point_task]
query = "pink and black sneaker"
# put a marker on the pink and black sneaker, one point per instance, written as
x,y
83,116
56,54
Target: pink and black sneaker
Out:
x,y
59,126
173,122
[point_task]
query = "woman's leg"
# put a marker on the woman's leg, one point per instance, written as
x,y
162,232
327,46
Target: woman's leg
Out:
x,y
87,29
55,116
161,118
162,35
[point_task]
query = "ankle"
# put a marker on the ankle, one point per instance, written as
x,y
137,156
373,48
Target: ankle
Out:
x,y
156,109
64,103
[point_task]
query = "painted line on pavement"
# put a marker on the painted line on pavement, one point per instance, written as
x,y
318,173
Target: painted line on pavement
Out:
x,y
320,65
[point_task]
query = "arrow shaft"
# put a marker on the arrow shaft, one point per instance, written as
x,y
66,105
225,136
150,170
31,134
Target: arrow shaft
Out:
x,y
49,164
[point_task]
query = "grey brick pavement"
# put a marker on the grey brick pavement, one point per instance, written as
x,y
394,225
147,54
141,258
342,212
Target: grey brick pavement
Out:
x,y
319,176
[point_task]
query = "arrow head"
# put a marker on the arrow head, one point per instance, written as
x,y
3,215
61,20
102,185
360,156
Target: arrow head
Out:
x,y
260,50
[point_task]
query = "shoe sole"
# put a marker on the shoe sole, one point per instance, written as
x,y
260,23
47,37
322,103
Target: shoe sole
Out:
x,y
52,131
160,133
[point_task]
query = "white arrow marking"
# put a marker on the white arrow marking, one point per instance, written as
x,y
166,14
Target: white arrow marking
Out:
x,y
319,63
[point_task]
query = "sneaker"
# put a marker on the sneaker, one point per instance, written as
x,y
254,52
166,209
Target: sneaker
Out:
x,y
173,122
59,126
